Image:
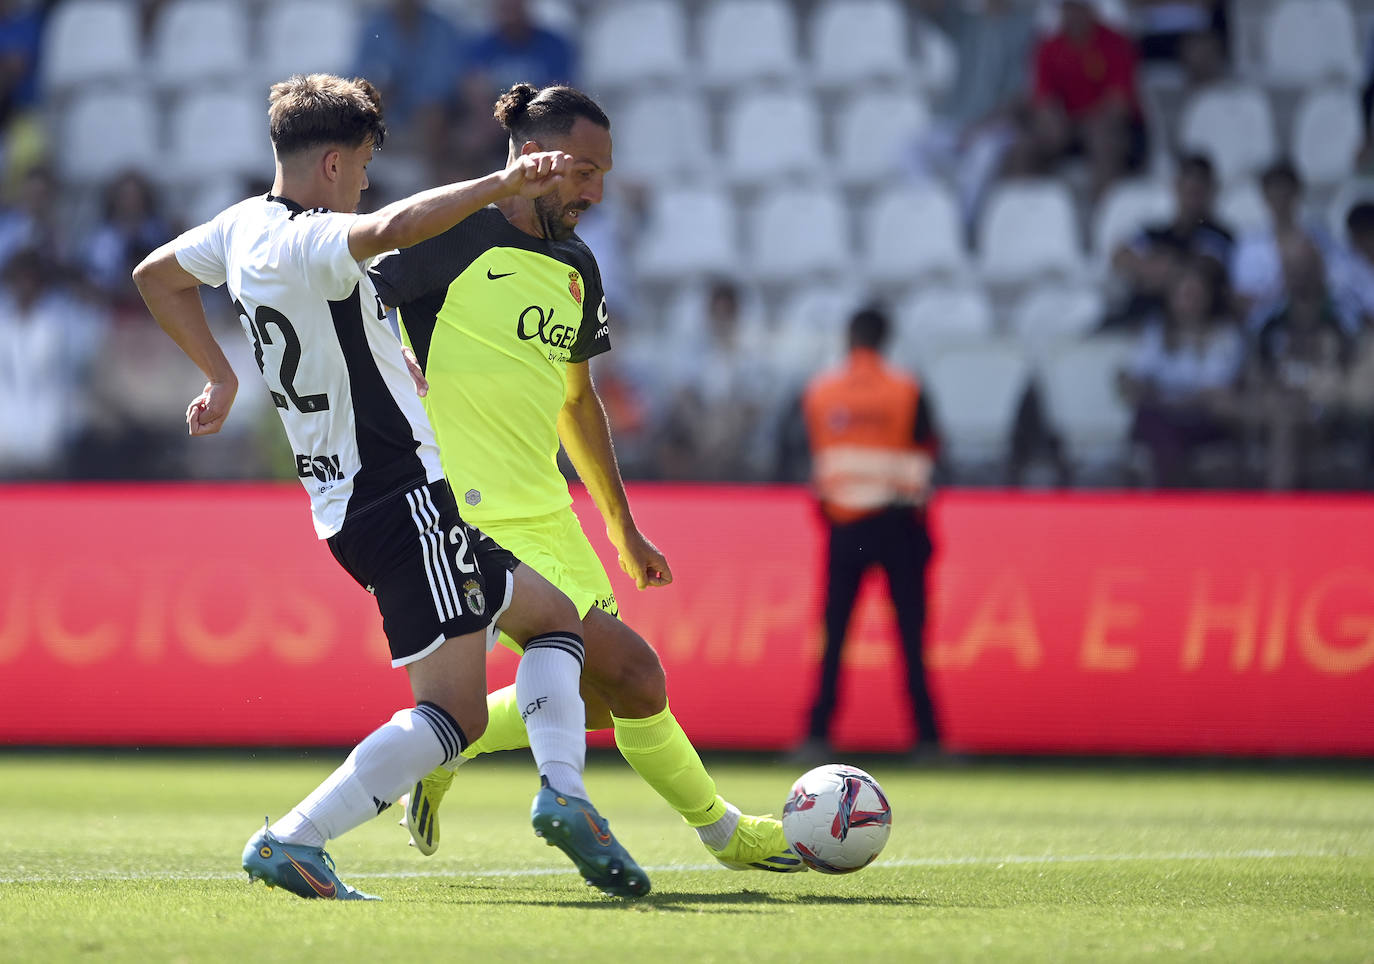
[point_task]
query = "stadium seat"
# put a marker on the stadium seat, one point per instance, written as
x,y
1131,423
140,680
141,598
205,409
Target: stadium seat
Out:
x,y
90,40
911,232
799,233
1053,313
935,58
690,231
1232,125
874,130
1079,381
977,391
635,41
200,41
1309,42
1327,134
858,40
770,134
219,132
1028,229
1241,207
748,40
1128,206
302,36
662,133
932,319
809,330
106,131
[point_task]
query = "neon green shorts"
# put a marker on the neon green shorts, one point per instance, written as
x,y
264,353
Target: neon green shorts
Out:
x,y
555,546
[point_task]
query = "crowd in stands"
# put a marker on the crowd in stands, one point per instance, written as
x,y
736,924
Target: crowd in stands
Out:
x,y
1238,353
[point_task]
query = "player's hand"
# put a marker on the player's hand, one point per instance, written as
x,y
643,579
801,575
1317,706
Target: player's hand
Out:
x,y
417,374
208,410
531,175
641,560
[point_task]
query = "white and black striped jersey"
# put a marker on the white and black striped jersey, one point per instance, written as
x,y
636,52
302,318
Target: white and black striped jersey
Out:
x,y
326,351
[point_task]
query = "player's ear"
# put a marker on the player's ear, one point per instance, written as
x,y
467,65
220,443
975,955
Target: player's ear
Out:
x,y
530,147
329,165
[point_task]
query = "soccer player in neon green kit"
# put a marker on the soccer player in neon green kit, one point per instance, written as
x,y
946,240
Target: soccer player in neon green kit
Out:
x,y
503,312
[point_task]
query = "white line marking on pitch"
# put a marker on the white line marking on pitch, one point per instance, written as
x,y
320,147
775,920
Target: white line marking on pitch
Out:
x,y
459,873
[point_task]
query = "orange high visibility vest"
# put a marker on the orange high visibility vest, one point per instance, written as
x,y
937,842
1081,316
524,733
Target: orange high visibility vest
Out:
x,y
861,423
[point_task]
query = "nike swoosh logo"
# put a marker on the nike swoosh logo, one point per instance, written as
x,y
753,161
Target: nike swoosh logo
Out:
x,y
493,277
603,837
323,888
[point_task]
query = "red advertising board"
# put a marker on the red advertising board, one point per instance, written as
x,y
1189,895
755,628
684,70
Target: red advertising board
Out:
x,y
1076,623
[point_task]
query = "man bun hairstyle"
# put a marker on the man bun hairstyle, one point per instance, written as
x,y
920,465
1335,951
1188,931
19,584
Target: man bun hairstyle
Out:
x,y
528,113
316,110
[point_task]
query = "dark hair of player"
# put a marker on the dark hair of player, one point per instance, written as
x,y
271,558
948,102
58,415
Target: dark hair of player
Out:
x,y
1360,221
528,113
317,110
869,329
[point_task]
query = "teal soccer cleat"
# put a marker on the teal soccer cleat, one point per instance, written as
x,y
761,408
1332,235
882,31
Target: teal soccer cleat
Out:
x,y
305,871
574,827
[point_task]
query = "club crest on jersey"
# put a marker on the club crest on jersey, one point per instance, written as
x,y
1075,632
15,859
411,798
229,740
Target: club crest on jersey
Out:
x,y
575,287
472,592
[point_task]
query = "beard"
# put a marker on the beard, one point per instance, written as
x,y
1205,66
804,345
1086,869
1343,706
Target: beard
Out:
x,y
549,211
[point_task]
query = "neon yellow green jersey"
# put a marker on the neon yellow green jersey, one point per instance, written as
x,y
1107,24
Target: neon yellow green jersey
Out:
x,y
494,315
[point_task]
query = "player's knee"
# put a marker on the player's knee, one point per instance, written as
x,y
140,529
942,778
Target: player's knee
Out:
x,y
639,686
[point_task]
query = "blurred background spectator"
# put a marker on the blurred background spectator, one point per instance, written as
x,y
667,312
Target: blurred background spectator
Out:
x,y
1036,188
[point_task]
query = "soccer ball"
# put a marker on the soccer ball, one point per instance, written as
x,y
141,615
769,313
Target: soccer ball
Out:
x,y
837,819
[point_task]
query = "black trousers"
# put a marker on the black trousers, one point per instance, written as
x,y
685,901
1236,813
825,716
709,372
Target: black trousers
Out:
x,y
897,540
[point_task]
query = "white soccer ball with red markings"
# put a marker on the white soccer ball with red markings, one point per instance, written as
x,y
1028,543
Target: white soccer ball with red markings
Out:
x,y
837,818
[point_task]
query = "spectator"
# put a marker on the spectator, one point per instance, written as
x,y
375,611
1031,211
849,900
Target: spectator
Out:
x,y
1189,34
130,228
1352,273
1181,377
1257,276
48,343
1149,264
33,220
1084,101
21,131
978,119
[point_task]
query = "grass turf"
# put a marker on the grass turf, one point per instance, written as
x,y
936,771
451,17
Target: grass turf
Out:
x,y
134,857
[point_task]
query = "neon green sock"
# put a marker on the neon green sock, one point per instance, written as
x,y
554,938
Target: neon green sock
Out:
x,y
505,729
662,755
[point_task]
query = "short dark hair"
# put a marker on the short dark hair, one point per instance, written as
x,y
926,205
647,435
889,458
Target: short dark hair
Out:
x,y
1199,165
528,113
1359,221
869,328
316,110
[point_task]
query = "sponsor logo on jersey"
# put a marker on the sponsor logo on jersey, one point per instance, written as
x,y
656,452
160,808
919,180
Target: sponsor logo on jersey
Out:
x,y
472,592
575,287
472,497
535,323
497,277
323,468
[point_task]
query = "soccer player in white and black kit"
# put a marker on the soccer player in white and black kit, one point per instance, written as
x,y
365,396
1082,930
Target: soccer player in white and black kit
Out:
x,y
296,268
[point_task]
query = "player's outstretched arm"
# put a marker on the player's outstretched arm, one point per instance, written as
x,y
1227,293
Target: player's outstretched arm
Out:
x,y
586,435
173,298
422,216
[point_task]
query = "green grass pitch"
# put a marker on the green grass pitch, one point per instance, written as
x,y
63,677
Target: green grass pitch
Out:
x,y
134,857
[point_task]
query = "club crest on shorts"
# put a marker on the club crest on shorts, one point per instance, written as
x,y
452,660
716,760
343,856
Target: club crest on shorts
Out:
x,y
477,602
575,287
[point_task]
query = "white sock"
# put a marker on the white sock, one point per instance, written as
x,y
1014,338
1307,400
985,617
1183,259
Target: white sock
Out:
x,y
555,718
717,835
382,767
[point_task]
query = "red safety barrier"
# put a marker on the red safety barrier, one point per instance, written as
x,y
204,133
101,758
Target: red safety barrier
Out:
x,y
1077,623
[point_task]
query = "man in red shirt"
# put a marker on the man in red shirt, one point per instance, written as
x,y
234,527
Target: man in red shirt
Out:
x,y
1084,100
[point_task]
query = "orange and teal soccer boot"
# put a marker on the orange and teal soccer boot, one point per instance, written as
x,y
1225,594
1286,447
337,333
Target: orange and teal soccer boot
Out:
x,y
305,871
574,827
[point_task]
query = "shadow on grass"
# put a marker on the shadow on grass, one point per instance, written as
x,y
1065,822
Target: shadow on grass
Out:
x,y
735,902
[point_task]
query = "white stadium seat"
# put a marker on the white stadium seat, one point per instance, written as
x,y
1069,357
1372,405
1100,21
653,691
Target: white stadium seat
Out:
x,y
662,133
799,233
932,319
1241,208
1327,134
200,41
690,231
1052,313
977,390
1028,228
219,132
1232,125
635,41
304,36
1310,42
874,131
91,40
859,40
809,330
911,232
770,134
935,58
1081,398
748,40
105,131
1128,207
